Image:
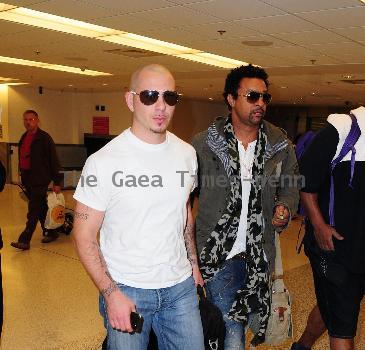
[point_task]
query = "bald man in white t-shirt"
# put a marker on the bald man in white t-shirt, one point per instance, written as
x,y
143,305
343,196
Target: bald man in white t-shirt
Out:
x,y
136,191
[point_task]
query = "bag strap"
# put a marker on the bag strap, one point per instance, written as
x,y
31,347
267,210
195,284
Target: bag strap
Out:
x,y
278,259
349,145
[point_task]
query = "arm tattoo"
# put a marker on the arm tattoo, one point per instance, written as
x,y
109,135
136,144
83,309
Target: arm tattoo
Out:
x,y
190,244
109,290
81,216
112,286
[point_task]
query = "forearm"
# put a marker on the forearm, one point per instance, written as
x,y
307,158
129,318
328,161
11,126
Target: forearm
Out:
x,y
190,243
85,239
93,261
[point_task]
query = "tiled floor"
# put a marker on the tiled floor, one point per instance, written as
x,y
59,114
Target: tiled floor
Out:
x,y
50,302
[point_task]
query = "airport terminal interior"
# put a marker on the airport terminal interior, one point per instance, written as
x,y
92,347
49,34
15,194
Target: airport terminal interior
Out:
x,y
71,61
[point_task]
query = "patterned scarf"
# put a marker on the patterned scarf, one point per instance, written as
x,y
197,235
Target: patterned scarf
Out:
x,y
254,297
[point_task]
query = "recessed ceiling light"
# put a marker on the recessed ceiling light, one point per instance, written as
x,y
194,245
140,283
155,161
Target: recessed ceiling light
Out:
x,y
313,93
104,84
51,66
211,98
348,76
283,87
70,85
44,20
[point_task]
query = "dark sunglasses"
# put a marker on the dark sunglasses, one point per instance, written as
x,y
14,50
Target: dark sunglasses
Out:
x,y
149,97
254,96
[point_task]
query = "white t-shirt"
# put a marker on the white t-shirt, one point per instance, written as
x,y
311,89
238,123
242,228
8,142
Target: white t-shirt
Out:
x,y
144,200
246,162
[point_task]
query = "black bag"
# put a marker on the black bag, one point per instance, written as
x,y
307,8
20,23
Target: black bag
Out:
x,y
2,176
213,324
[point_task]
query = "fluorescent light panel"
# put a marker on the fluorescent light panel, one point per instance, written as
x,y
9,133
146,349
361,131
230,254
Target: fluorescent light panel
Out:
x,y
65,25
13,84
5,80
57,67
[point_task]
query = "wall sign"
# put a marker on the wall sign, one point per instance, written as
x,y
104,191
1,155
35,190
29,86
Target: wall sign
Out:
x,y
101,125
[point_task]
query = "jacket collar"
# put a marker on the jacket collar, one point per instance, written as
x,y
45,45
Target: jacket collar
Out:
x,y
274,134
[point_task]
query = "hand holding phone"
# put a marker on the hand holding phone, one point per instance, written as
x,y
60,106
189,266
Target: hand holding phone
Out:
x,y
136,322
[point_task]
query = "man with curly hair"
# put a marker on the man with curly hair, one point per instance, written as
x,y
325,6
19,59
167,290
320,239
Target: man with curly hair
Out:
x,y
247,190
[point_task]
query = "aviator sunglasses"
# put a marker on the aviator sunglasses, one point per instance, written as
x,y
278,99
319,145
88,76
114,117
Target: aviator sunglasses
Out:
x,y
149,97
254,96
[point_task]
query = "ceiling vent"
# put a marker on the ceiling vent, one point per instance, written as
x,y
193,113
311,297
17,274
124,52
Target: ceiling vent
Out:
x,y
133,53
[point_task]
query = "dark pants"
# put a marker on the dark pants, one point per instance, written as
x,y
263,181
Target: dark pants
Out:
x,y
37,207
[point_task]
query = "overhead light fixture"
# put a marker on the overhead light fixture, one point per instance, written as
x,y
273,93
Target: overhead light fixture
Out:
x,y
58,67
347,76
12,84
4,80
44,20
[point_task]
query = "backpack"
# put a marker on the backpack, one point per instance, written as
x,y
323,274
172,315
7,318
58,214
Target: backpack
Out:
x,y
303,142
349,145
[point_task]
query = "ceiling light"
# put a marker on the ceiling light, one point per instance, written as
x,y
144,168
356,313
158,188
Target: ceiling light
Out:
x,y
57,67
44,20
283,87
211,98
7,79
348,76
65,25
12,84
211,59
104,84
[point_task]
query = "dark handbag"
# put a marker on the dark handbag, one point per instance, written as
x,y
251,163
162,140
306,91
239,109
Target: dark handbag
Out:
x,y
212,320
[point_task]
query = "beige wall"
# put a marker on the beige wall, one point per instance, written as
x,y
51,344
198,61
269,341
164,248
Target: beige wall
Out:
x,y
55,110
68,115
192,117
4,121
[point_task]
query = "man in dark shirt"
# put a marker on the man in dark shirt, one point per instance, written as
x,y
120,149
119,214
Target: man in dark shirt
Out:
x,y
336,251
38,165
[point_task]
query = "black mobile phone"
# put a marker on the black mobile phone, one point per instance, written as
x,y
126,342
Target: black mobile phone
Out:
x,y
136,322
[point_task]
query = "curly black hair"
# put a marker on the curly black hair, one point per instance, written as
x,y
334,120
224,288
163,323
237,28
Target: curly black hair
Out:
x,y
237,74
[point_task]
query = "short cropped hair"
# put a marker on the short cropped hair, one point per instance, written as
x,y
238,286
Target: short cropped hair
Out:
x,y
237,74
31,111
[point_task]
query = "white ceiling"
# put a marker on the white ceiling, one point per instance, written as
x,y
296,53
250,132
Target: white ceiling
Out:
x,y
312,45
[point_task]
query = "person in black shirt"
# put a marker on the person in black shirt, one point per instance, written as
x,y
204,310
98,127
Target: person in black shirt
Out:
x,y
336,252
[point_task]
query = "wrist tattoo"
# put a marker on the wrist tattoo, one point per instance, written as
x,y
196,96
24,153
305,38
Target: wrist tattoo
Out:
x,y
81,216
109,290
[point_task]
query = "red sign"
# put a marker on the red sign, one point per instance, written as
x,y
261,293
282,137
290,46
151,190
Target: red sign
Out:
x,y
101,125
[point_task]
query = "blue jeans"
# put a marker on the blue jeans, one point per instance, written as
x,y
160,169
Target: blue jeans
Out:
x,y
172,312
221,291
